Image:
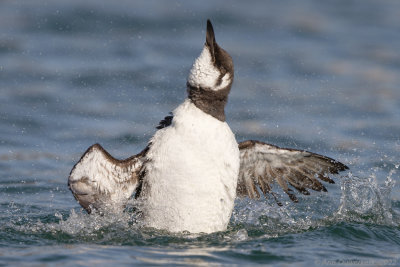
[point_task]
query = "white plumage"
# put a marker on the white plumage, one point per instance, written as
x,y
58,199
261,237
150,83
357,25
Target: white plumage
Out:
x,y
192,173
100,180
203,74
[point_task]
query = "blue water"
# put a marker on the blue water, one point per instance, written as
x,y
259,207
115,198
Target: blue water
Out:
x,y
315,75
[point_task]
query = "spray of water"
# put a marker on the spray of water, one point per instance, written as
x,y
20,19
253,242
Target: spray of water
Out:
x,y
361,199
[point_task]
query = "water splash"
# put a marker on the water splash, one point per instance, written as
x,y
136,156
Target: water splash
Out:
x,y
364,200
361,200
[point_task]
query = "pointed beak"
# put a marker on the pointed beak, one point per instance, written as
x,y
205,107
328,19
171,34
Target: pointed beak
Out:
x,y
210,39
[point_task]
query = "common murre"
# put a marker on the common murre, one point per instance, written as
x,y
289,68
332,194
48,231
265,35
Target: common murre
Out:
x,y
192,169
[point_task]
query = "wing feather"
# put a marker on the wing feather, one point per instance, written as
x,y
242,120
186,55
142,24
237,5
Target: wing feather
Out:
x,y
263,164
98,180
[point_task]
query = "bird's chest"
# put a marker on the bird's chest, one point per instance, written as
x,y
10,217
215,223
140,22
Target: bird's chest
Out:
x,y
192,176
194,158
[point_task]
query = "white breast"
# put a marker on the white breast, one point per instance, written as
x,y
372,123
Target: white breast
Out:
x,y
191,174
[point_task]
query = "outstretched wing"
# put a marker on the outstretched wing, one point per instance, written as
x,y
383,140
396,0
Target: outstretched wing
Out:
x,y
98,180
262,164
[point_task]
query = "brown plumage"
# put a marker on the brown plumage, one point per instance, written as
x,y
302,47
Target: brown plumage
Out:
x,y
263,164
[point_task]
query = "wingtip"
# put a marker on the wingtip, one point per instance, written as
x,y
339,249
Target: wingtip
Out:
x,y
339,167
291,195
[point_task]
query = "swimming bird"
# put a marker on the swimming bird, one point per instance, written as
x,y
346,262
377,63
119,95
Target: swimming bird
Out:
x,y
191,171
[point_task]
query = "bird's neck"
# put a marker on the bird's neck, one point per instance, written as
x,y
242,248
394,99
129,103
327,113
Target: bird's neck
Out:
x,y
209,101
